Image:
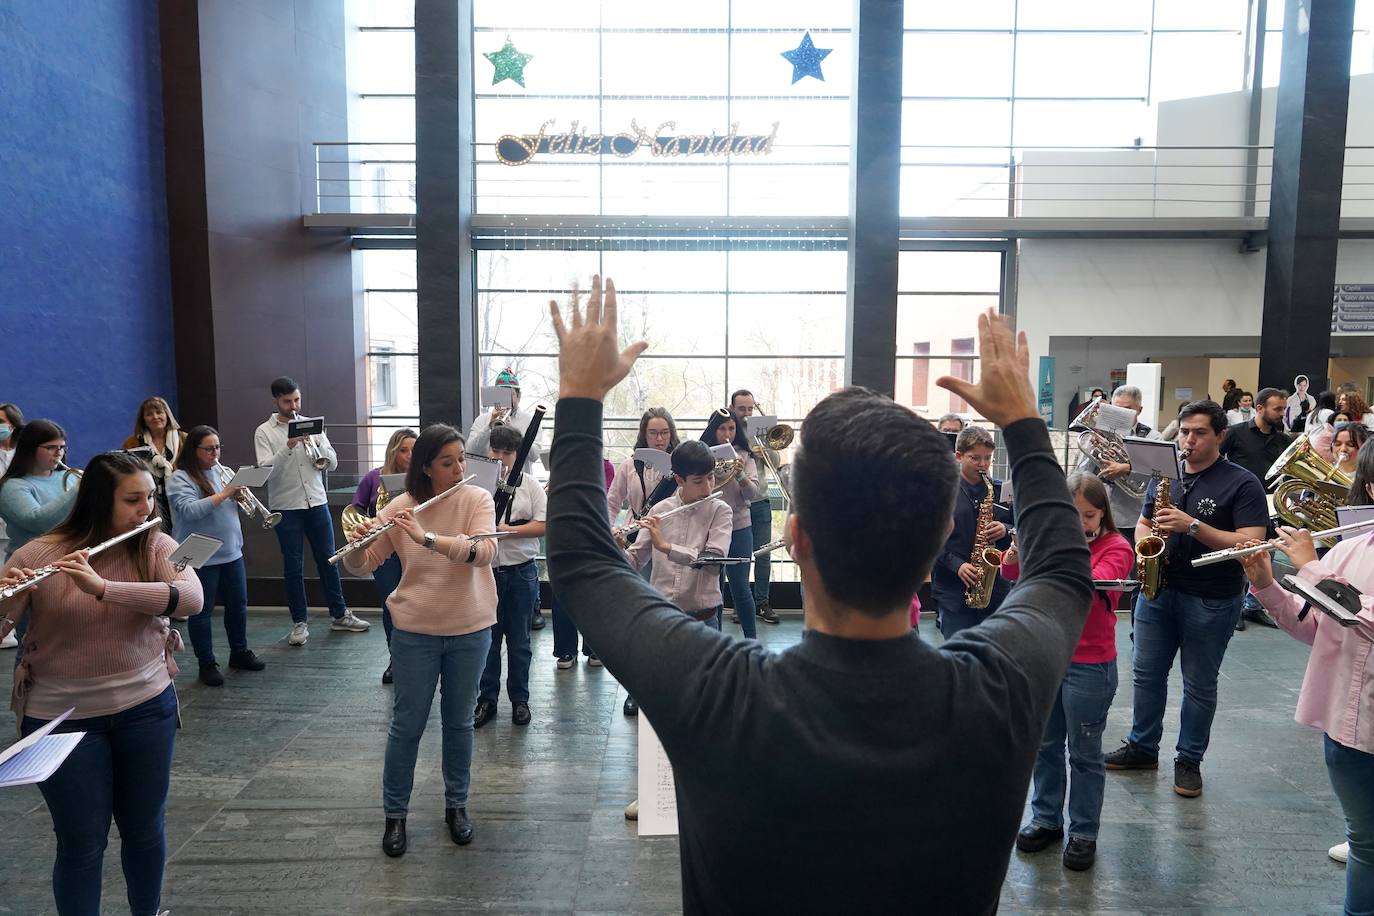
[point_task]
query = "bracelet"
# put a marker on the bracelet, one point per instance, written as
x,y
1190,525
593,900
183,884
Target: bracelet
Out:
x,y
173,599
472,552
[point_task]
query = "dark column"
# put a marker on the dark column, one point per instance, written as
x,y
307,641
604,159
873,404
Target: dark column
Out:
x,y
874,183
1305,197
193,332
443,218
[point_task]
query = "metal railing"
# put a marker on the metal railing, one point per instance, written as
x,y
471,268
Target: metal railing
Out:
x,y
377,179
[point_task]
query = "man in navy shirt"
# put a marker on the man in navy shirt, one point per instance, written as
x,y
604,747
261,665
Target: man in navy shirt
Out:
x,y
1216,505
954,574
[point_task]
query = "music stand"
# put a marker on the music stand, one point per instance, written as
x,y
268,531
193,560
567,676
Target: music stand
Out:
x,y
1154,457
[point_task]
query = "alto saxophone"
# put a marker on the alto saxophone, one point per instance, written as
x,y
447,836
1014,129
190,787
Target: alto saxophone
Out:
x,y
986,557
1149,551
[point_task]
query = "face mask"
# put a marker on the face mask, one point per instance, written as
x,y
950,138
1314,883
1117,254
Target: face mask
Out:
x,y
5,430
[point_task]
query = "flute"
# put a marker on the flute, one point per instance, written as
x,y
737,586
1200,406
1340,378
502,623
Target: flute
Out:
x,y
635,526
47,572
380,530
1235,553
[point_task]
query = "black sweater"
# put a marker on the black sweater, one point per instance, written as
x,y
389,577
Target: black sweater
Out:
x,y
839,776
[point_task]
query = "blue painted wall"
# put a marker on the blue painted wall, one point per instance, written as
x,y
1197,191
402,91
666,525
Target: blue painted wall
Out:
x,y
85,300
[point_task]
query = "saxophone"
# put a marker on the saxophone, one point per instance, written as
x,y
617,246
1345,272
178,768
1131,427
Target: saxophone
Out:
x,y
1149,551
986,557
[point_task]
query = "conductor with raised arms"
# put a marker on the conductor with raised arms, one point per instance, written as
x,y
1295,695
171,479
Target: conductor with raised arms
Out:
x,y
882,751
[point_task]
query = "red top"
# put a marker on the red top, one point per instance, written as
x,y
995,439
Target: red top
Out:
x,y
1112,558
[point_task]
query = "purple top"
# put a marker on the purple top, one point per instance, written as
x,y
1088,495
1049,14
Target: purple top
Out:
x,y
610,472
365,497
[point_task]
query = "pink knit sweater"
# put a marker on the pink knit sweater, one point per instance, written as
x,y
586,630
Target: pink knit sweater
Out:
x,y
439,595
101,656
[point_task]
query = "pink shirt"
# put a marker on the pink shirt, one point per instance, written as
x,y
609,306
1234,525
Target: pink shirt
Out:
x,y
625,486
690,533
439,595
1337,693
100,655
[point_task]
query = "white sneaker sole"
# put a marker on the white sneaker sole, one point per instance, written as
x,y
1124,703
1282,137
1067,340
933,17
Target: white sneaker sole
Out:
x,y
347,628
1339,853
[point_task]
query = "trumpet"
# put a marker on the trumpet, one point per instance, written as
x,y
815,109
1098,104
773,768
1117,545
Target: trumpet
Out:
x,y
318,459
47,572
382,529
249,504
68,474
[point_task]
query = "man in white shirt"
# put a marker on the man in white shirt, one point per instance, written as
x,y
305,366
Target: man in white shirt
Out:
x,y
296,490
517,588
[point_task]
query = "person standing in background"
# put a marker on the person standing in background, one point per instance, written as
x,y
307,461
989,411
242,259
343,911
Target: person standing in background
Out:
x,y
11,418
743,405
1244,411
156,429
296,490
738,492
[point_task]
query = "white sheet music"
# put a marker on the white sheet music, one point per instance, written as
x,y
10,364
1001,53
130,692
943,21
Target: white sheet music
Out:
x,y
37,756
657,789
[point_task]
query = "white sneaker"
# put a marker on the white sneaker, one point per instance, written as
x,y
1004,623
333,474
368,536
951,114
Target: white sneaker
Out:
x,y
1340,853
299,634
632,811
593,661
351,623
9,642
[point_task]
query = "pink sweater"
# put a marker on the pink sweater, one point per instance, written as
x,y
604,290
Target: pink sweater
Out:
x,y
439,595
101,656
1338,689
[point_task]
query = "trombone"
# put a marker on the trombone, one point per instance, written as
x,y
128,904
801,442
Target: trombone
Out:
x,y
249,503
776,439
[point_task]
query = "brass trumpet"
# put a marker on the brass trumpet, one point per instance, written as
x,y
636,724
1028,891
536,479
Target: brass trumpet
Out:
x,y
317,458
68,474
249,504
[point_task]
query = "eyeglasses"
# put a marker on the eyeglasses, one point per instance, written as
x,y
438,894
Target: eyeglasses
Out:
x,y
209,448
54,449
658,434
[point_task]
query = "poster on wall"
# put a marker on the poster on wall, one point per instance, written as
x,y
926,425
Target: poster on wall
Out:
x,y
1046,389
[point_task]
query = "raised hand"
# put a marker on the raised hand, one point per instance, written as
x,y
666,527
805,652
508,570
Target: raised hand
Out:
x,y
590,361
1003,393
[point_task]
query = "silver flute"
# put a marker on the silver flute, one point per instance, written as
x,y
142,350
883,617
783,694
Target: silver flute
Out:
x,y
47,572
380,530
1235,553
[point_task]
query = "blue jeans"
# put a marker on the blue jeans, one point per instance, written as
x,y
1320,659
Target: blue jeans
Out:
x,y
120,770
761,528
1077,719
565,634
386,577
1352,777
421,662
226,583
737,574
1198,630
517,597
316,526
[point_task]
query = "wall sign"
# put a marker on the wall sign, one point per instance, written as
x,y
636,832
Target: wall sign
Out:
x,y
518,150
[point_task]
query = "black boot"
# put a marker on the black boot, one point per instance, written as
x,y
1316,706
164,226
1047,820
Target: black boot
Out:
x,y
394,837
459,827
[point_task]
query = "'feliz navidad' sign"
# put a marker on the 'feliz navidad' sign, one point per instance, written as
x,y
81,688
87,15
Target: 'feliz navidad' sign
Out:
x,y
518,150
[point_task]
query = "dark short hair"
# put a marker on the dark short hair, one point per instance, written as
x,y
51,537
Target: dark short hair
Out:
x,y
905,463
1266,393
427,447
972,437
1210,409
692,457
283,385
739,394
505,439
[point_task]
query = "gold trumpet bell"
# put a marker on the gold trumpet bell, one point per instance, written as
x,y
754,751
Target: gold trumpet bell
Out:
x,y
1300,461
352,519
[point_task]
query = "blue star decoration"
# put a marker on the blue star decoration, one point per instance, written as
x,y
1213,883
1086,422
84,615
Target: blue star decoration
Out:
x,y
509,64
806,59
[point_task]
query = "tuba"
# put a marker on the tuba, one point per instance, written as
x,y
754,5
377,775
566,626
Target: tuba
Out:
x,y
985,556
1312,488
1104,446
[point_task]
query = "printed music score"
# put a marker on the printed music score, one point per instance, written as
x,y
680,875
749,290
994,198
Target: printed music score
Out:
x,y
657,787
36,757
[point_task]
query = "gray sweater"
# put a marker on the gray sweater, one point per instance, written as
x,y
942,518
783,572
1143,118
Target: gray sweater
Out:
x,y
839,776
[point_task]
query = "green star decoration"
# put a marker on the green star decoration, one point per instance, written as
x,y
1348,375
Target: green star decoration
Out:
x,y
509,63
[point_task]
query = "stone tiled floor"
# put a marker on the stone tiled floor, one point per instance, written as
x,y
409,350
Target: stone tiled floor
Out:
x,y
275,809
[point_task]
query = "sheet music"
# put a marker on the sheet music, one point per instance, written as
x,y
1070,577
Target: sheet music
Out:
x,y
487,472
38,761
653,458
657,788
195,551
723,452
1119,420
759,425
1152,456
250,477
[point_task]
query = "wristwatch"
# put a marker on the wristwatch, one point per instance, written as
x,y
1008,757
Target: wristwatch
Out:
x,y
1194,527
430,540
